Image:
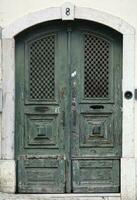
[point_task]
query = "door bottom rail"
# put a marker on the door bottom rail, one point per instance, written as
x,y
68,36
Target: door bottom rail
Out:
x,y
103,196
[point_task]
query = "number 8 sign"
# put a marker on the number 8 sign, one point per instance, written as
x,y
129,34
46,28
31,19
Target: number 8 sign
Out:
x,y
67,11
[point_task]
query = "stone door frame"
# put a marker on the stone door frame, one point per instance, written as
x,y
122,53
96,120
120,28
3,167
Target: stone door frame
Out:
x,y
7,61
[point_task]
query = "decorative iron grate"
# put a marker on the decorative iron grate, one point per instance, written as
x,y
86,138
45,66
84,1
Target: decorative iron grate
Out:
x,y
42,68
96,70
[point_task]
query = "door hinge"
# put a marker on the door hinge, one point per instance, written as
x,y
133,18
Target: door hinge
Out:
x,y
1,100
135,94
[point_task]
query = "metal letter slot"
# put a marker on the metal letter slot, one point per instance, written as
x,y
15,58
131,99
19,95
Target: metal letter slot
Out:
x,y
97,107
41,109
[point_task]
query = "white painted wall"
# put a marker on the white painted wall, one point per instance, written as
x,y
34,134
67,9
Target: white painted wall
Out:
x,y
10,10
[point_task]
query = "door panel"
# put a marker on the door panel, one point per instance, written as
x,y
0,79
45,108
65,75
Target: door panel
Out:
x,y
96,133
95,176
98,104
68,108
41,131
96,130
41,175
40,119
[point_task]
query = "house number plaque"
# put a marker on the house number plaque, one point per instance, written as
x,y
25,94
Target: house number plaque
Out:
x,y
67,11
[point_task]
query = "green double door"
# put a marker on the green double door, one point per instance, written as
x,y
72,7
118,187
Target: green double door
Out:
x,y
68,108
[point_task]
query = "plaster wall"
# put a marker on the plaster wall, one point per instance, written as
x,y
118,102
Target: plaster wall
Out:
x,y
10,10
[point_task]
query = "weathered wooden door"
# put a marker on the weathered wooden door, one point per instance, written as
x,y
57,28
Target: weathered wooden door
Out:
x,y
68,108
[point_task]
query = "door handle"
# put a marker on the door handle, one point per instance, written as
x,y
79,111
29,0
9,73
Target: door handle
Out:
x,y
74,109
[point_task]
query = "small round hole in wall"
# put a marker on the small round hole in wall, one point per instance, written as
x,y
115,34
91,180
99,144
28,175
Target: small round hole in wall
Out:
x,y
128,95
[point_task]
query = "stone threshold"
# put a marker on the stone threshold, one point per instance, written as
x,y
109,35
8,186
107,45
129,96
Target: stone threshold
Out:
x,y
7,196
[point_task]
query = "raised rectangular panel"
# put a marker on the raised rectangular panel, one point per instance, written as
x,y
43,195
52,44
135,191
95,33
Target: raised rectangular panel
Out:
x,y
95,176
41,131
96,130
41,176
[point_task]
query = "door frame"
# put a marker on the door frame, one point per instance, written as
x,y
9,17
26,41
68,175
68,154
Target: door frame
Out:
x,y
128,160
